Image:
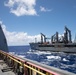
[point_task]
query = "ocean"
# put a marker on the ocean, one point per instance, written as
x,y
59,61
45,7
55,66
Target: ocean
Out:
x,y
60,60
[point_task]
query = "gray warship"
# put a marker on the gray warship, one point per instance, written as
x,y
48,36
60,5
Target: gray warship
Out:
x,y
56,44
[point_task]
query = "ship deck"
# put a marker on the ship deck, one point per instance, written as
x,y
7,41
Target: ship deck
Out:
x,y
4,69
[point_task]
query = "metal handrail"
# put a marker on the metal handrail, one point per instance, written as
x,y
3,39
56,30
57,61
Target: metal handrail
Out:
x,y
21,63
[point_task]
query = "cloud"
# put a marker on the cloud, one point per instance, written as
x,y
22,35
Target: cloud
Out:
x,y
43,9
0,22
21,7
18,38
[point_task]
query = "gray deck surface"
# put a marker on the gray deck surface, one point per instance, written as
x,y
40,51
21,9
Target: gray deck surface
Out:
x,y
2,66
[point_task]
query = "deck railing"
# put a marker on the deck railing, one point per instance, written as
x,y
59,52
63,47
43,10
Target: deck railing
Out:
x,y
25,66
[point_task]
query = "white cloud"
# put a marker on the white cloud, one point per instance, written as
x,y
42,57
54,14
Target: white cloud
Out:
x,y
44,9
18,38
22,7
0,22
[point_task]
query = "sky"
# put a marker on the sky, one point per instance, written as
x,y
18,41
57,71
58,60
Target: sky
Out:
x,y
23,20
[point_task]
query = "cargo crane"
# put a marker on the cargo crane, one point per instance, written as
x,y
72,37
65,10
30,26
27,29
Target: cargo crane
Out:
x,y
54,38
67,35
43,38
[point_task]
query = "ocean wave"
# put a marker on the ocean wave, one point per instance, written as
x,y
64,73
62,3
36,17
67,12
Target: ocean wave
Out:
x,y
22,56
64,59
54,57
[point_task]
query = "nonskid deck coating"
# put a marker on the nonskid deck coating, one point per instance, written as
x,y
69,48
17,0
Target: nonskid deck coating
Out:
x,y
3,65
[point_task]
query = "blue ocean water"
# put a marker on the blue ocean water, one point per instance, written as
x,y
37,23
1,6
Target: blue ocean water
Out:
x,y
63,61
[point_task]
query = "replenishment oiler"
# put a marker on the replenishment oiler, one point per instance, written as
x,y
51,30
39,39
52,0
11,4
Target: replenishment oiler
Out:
x,y
56,44
11,64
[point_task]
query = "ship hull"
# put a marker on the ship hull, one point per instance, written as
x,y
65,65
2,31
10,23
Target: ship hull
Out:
x,y
3,41
54,48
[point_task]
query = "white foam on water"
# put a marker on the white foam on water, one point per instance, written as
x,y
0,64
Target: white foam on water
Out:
x,y
11,52
64,59
54,57
22,56
39,52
